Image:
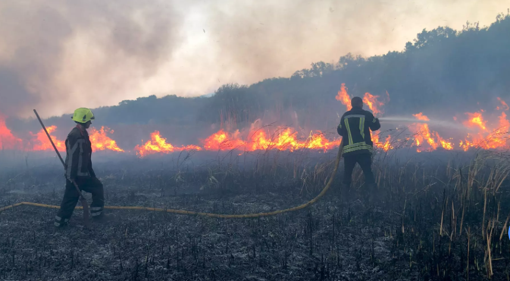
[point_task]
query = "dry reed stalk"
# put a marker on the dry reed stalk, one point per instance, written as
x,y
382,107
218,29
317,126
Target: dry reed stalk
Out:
x,y
462,218
484,211
474,168
448,168
453,225
441,227
489,253
504,228
499,209
467,263
502,178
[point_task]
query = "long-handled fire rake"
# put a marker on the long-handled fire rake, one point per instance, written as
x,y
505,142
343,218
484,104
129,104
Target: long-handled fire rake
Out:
x,y
83,201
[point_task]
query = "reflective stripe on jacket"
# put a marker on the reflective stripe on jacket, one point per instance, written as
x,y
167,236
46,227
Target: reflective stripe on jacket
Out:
x,y
78,154
355,126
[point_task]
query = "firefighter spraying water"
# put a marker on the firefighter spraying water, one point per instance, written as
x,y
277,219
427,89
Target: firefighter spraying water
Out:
x,y
355,126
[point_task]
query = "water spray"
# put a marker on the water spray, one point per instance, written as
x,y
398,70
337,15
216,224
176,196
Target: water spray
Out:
x,y
396,119
400,120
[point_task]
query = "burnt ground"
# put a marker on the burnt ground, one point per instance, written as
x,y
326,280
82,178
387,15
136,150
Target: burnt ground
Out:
x,y
408,232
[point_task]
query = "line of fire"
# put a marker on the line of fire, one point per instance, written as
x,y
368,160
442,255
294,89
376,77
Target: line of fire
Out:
x,y
482,132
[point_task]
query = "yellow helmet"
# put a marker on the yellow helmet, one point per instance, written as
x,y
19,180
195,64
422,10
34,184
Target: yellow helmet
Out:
x,y
82,115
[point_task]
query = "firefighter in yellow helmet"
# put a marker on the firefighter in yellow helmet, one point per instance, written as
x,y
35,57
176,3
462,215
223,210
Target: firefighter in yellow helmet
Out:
x,y
78,168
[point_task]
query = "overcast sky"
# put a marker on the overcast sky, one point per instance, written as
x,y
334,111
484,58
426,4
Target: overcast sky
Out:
x,y
58,55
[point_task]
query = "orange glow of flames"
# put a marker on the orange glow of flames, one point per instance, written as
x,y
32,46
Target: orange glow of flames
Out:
x,y
287,140
422,132
497,138
44,143
444,144
373,103
7,139
424,137
100,140
386,145
486,133
503,103
370,100
318,141
158,144
475,120
494,139
222,140
343,97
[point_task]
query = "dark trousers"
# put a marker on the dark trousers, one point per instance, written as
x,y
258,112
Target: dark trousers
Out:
x,y
71,197
364,160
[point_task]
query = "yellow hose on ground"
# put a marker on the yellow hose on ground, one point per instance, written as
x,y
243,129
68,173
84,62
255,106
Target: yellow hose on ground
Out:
x,y
212,215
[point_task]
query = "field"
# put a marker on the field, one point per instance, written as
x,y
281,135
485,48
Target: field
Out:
x,y
435,216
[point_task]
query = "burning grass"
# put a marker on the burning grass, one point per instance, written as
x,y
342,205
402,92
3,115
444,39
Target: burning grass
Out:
x,y
437,216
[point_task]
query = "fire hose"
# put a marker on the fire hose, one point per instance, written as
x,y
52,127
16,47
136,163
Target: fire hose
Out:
x,y
212,215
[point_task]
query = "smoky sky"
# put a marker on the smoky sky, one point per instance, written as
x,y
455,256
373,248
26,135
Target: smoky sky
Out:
x,y
59,55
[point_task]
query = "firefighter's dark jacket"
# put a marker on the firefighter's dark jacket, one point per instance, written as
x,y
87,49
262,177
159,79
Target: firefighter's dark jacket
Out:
x,y
355,126
78,162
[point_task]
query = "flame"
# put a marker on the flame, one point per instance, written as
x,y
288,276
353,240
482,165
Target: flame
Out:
x,y
259,141
373,103
487,138
370,100
343,97
493,140
223,141
7,139
384,146
487,132
503,103
100,140
44,143
318,141
158,144
504,124
421,117
286,140
497,139
424,137
421,132
448,145
475,120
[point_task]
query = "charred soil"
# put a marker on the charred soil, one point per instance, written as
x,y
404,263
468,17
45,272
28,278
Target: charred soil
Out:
x,y
429,219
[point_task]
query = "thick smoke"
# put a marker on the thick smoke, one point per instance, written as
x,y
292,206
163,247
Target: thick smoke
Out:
x,y
89,53
59,55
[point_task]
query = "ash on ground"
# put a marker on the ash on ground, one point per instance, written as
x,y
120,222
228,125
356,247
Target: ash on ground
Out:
x,y
415,226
